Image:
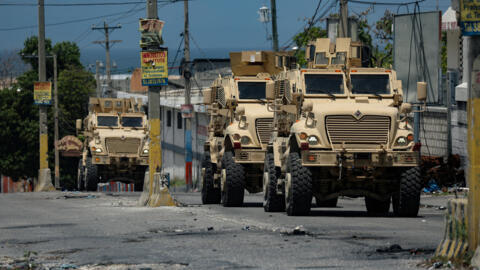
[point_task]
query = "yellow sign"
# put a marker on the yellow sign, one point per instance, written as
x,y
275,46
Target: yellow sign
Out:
x,y
470,17
42,93
154,68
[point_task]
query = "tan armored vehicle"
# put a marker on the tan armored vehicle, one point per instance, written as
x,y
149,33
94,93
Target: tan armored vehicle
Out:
x,y
240,127
116,143
340,130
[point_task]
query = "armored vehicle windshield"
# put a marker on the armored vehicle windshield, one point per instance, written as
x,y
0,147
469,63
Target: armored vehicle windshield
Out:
x,y
132,121
370,84
251,90
107,121
324,84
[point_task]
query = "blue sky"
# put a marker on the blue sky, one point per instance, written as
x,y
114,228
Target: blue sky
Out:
x,y
214,23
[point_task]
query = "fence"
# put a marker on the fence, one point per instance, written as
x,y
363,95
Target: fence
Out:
x,y
7,185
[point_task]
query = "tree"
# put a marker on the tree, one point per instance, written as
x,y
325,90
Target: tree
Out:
x,y
19,118
383,32
19,129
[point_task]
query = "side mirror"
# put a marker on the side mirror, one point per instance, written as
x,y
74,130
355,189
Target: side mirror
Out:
x,y
270,91
422,91
207,96
78,124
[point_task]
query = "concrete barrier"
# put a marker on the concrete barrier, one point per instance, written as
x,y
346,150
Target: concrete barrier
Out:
x,y
159,195
455,239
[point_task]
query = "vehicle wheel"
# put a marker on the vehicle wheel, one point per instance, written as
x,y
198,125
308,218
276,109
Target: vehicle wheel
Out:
x,y
91,178
271,201
327,203
233,187
80,176
406,202
210,194
377,207
298,187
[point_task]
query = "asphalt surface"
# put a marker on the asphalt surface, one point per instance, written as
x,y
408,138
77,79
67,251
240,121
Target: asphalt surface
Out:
x,y
88,229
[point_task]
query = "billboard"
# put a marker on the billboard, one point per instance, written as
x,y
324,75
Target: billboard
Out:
x,y
42,93
470,17
416,53
154,68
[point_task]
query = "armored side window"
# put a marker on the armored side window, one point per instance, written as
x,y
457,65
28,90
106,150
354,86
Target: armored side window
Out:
x,y
321,59
339,59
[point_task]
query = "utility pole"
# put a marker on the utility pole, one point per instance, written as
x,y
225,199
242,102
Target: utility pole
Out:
x,y
97,78
274,25
55,100
188,123
107,29
343,19
44,176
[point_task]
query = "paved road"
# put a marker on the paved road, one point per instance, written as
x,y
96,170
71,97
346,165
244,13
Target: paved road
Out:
x,y
108,230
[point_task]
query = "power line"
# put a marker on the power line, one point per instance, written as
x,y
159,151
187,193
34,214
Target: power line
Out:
x,y
67,22
385,3
88,4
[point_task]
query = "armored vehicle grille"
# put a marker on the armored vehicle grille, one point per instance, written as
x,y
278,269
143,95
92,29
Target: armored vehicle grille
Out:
x,y
264,129
122,146
370,129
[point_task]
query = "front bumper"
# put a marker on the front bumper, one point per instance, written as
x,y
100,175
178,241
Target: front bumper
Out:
x,y
120,161
357,159
249,156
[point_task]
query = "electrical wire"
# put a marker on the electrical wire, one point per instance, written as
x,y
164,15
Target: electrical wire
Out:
x,y
88,4
384,3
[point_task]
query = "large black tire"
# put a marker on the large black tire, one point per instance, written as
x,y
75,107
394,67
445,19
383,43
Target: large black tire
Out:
x,y
91,177
210,194
80,176
233,189
327,203
298,197
406,202
376,207
272,202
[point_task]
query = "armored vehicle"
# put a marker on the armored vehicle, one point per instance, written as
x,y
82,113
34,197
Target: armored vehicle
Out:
x,y
240,127
115,146
340,130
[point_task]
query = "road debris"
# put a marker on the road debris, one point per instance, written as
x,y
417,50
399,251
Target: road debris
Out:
x,y
391,249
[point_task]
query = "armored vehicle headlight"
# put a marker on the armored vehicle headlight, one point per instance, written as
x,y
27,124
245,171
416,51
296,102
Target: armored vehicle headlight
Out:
x,y
402,141
312,140
303,136
98,150
145,151
245,140
236,137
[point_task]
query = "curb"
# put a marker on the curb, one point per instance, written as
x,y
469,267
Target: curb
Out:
x,y
455,239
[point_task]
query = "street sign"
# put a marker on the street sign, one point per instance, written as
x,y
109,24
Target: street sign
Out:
x,y
187,110
42,93
154,68
151,32
470,17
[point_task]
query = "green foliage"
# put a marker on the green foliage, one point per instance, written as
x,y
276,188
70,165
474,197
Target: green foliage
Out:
x,y
19,118
302,39
383,32
19,130
68,54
